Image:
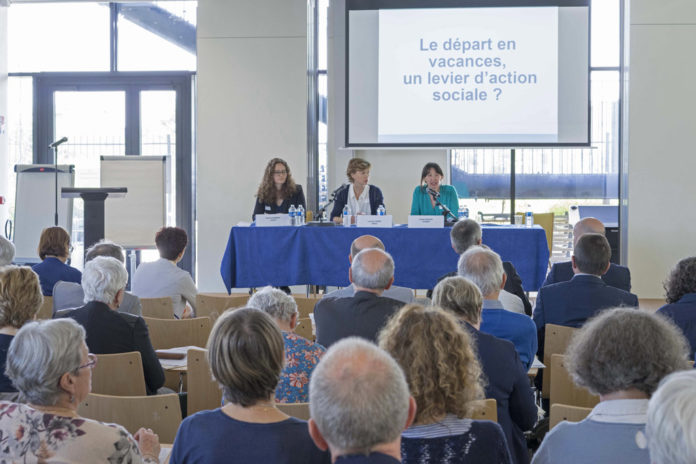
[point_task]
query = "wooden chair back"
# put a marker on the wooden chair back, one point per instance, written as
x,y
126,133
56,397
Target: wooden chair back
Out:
x,y
161,413
159,308
563,412
211,305
46,309
119,375
170,333
545,220
564,391
203,392
297,410
485,410
556,340
304,328
305,306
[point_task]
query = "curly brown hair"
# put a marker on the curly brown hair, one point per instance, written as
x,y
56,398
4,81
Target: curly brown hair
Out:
x,y
436,354
267,192
681,280
20,296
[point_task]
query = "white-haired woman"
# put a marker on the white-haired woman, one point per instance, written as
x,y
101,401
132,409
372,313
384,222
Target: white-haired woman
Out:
x,y
49,363
301,355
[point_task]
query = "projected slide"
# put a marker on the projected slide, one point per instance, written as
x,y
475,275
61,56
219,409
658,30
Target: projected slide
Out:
x,y
468,75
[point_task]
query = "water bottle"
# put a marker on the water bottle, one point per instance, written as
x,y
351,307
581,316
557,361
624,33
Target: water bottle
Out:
x,y
463,212
291,213
346,216
381,210
529,219
300,215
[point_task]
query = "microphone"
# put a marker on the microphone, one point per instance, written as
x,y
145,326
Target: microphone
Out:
x,y
433,193
58,142
335,192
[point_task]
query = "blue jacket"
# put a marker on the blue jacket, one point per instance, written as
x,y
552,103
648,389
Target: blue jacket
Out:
x,y
341,200
514,327
617,276
683,313
51,270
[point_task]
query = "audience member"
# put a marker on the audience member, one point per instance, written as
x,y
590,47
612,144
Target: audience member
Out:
x,y
680,288
572,303
109,331
359,404
49,363
365,313
359,244
54,250
467,233
245,353
7,252
444,377
671,425
301,355
69,295
617,276
163,278
507,380
620,355
20,300
484,268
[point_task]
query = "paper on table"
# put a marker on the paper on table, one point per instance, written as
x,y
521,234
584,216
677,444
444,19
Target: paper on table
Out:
x,y
169,363
244,224
537,364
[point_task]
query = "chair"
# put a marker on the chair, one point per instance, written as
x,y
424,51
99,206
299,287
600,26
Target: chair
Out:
x,y
564,391
161,413
211,305
119,374
545,220
160,308
556,340
297,410
170,333
46,309
304,328
203,391
563,412
485,410
305,306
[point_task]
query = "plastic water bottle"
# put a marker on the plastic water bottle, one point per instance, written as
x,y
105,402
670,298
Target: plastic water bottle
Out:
x,y
291,213
463,212
346,216
381,210
300,215
529,219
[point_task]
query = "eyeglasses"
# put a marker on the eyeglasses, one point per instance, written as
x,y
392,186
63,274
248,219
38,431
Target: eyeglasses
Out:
x,y
280,173
91,363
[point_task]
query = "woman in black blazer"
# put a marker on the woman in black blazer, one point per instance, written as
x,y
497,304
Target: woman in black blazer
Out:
x,y
278,190
361,197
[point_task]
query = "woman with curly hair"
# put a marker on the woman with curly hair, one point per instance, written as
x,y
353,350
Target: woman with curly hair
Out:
x,y
444,377
277,190
680,288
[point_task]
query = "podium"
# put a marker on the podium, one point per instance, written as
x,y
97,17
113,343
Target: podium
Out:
x,y
94,208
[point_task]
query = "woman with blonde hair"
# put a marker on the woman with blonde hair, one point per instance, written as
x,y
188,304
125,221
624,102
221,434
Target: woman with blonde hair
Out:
x,y
358,195
277,190
54,251
444,377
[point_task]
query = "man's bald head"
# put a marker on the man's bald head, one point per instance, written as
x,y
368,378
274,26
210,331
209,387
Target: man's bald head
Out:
x,y
588,225
363,243
372,269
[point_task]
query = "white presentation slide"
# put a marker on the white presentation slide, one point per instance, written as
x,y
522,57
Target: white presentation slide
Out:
x,y
463,74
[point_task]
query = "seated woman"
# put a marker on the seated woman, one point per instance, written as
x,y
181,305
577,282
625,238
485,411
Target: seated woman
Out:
x,y
20,300
620,355
278,190
54,250
301,355
164,278
443,376
361,197
424,203
507,378
681,299
245,353
49,364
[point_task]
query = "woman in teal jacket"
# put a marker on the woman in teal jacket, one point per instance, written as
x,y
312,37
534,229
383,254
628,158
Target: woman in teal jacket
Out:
x,y
423,202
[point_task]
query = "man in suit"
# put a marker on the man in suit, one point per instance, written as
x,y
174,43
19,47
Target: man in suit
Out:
x,y
68,295
109,331
365,313
485,269
362,243
467,233
571,303
617,276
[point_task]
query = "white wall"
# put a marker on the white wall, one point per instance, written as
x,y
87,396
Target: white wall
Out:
x,y
252,94
661,145
5,183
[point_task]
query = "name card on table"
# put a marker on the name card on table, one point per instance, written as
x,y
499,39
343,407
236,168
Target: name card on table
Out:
x,y
426,222
374,221
272,220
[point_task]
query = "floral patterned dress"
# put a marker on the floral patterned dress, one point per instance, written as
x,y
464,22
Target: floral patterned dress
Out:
x,y
31,436
301,357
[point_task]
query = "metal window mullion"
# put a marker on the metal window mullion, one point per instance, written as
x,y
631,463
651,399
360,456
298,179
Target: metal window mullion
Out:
x,y
133,132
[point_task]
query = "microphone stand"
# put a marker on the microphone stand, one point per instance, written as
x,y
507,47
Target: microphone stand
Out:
x,y
332,199
445,210
55,173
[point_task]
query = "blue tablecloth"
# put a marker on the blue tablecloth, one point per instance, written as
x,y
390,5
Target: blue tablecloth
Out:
x,y
258,256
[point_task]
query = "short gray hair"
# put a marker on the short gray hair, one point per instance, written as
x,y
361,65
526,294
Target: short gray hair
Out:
x,y
276,303
671,426
464,234
7,251
625,348
483,267
375,279
102,278
40,354
105,248
358,396
461,297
